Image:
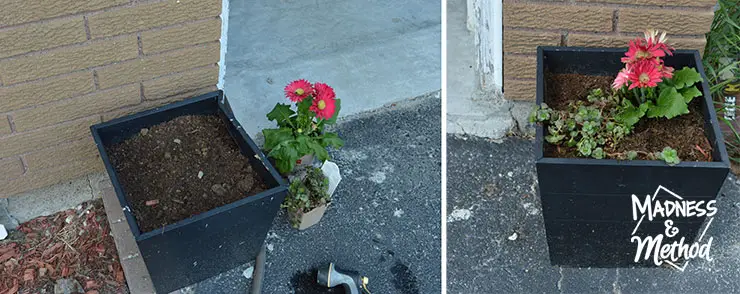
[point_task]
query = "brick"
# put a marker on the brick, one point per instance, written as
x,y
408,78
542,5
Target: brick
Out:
x,y
146,105
520,89
180,83
520,66
48,177
60,154
590,40
10,168
672,21
181,36
4,125
527,42
66,60
41,36
146,16
694,3
34,140
543,16
22,11
44,91
150,67
77,107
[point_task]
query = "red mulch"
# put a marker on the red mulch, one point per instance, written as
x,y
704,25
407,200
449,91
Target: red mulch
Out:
x,y
74,244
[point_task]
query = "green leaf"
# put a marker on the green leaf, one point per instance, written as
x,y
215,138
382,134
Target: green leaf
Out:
x,y
554,139
285,157
318,150
305,105
689,93
280,113
630,114
598,153
685,77
337,107
273,137
669,155
331,139
303,145
669,105
631,155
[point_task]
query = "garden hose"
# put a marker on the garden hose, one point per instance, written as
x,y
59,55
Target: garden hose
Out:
x,y
353,283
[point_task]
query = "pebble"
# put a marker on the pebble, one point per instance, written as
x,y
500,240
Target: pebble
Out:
x,y
177,141
167,155
513,236
200,174
144,131
248,272
220,190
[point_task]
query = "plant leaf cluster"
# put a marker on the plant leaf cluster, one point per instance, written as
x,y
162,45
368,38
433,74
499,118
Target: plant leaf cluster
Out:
x,y
299,133
306,193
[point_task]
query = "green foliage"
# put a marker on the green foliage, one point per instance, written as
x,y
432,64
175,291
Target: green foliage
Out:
x,y
674,94
669,155
588,126
595,126
298,134
721,60
305,194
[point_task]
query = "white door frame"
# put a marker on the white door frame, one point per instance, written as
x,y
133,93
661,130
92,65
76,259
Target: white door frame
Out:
x,y
485,20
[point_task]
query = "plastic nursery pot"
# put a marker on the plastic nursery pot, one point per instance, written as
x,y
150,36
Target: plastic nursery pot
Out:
x,y
203,245
586,203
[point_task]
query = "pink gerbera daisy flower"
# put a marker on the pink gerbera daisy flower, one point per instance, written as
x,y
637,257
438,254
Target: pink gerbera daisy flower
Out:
x,y
324,104
298,90
622,78
644,74
324,90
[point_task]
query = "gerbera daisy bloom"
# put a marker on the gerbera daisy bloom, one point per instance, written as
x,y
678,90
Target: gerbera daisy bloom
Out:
x,y
642,50
644,74
658,39
666,71
324,89
324,103
298,90
622,78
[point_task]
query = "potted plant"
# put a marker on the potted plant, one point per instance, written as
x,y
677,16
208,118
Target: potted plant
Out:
x,y
613,123
308,197
301,137
197,193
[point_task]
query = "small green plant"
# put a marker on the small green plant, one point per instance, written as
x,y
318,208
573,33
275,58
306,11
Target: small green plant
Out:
x,y
305,194
301,132
594,126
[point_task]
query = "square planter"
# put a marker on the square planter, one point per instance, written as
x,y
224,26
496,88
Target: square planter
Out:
x,y
203,245
586,203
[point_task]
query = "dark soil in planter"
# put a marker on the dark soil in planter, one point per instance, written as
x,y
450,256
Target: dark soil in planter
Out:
x,y
159,170
684,133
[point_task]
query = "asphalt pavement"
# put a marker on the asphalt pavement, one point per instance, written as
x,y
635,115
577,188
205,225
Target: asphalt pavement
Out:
x,y
496,237
384,218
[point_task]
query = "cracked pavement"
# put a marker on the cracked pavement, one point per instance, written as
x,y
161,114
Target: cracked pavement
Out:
x,y
496,238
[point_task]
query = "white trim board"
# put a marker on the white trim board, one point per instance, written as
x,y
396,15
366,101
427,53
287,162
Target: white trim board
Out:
x,y
224,43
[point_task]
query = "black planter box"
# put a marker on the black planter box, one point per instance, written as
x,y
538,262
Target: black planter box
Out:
x,y
210,243
586,203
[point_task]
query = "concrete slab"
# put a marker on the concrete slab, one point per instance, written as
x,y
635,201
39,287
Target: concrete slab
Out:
x,y
495,186
469,110
384,217
45,201
371,52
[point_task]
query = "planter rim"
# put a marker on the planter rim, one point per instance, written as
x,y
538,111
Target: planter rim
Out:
x,y
723,163
120,193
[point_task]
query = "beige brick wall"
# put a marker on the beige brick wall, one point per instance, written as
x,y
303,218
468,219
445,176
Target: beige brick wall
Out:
x,y
591,23
68,64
